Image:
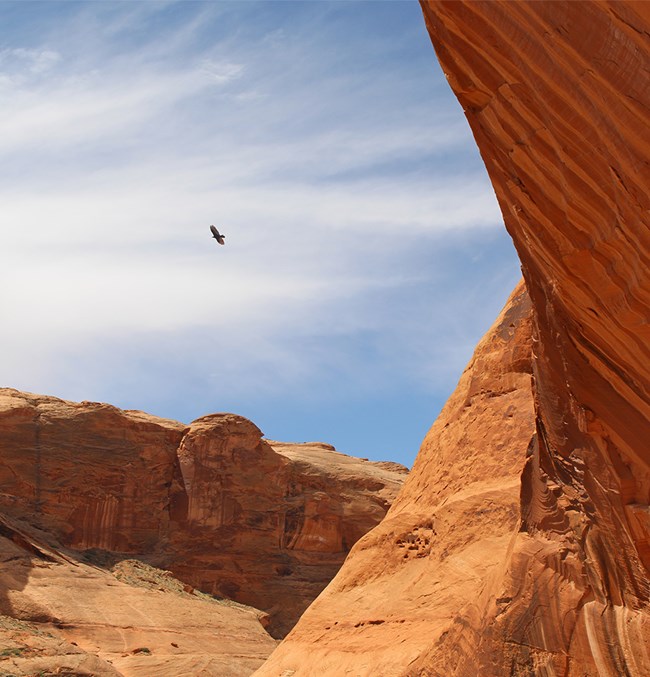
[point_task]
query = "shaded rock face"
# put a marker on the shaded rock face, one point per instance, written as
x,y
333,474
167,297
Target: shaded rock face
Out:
x,y
523,550
212,502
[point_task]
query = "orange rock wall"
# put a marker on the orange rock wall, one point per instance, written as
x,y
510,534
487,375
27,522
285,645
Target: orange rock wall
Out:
x,y
269,524
519,543
60,615
212,501
429,577
91,474
558,95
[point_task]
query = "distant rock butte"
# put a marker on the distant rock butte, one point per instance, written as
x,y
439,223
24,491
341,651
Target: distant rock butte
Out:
x,y
279,518
502,557
230,514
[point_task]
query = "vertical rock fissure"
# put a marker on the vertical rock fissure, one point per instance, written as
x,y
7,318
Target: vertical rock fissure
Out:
x,y
38,479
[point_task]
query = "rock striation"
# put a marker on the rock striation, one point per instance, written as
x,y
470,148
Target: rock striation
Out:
x,y
59,615
230,514
266,523
549,574
558,98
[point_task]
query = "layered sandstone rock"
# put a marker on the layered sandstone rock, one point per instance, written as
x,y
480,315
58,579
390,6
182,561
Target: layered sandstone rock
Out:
x,y
62,616
282,516
89,474
213,502
558,99
429,573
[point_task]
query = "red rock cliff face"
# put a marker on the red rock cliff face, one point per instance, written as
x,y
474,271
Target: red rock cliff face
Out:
x,y
90,474
558,97
556,580
213,502
428,577
269,524
61,615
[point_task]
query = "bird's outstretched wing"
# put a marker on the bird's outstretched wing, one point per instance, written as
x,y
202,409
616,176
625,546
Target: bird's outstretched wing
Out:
x,y
217,235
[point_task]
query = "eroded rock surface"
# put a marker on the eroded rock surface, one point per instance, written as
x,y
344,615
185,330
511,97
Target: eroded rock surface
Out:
x,y
429,573
267,523
558,98
549,573
213,502
59,615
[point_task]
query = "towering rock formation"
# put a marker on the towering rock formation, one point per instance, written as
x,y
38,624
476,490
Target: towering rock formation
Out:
x,y
213,502
430,574
558,98
557,581
265,523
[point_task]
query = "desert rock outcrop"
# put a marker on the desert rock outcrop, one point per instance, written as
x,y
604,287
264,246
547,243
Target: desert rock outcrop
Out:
x,y
59,615
430,571
281,517
212,502
558,98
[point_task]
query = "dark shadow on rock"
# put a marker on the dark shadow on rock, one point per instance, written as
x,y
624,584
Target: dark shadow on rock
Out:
x,y
20,551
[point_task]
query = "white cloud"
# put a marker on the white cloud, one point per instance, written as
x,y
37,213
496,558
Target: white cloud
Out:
x,y
98,106
23,62
341,185
222,72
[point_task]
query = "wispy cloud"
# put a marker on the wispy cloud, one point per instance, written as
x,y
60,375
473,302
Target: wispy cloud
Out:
x,y
21,63
340,169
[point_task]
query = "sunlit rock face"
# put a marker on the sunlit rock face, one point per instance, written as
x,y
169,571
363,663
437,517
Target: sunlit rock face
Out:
x,y
558,96
265,524
426,579
88,473
61,615
522,547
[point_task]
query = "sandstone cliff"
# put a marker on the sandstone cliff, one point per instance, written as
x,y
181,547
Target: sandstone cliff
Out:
x,y
265,523
212,502
430,572
547,572
558,96
59,615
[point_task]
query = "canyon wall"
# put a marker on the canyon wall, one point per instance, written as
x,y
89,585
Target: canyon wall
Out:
x,y
59,615
212,502
265,523
552,578
558,96
431,573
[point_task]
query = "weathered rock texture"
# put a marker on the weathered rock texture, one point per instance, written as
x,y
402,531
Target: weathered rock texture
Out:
x,y
558,98
280,517
432,569
553,577
212,502
61,616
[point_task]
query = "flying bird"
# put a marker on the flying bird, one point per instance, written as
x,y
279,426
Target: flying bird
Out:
x,y
217,235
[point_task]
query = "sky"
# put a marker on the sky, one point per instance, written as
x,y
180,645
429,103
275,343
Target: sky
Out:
x,y
365,252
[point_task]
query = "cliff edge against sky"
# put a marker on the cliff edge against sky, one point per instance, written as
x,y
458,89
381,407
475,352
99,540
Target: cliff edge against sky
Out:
x,y
549,572
86,487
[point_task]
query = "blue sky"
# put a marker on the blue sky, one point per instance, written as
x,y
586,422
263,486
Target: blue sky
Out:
x,y
365,254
